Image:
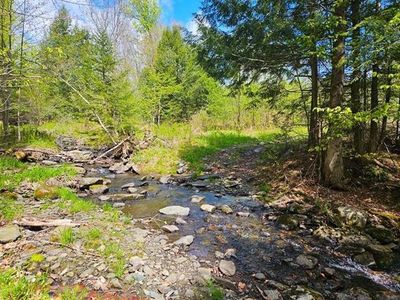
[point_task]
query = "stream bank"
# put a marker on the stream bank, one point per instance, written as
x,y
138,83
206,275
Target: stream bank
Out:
x,y
214,228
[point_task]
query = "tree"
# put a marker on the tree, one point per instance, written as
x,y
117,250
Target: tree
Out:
x,y
333,161
175,87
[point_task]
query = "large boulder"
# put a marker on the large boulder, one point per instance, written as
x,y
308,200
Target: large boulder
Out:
x,y
352,218
381,234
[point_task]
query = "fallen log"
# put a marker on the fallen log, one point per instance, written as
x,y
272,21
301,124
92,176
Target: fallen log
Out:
x,y
35,223
110,150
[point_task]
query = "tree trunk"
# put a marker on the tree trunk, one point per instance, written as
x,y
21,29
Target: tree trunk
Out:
x,y
314,124
388,96
333,170
373,133
356,76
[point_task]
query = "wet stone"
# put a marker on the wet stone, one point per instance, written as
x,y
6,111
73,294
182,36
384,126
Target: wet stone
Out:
x,y
197,199
226,209
175,210
259,276
208,208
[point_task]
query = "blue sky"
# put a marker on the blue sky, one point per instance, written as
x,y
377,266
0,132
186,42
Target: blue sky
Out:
x,y
173,11
178,11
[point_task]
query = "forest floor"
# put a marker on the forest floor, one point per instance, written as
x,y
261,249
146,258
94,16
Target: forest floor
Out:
x,y
246,220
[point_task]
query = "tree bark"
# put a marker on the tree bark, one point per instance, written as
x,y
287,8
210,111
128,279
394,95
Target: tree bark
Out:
x,y
388,95
333,170
314,125
356,76
373,133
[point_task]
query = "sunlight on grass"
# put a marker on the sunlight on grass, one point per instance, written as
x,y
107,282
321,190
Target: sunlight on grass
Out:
x,y
15,286
72,203
14,172
177,142
10,209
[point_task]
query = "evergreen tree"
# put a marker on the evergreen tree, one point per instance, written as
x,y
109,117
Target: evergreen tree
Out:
x,y
175,87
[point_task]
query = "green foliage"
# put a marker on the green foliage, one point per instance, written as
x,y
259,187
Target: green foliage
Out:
x,y
145,12
72,203
14,286
175,86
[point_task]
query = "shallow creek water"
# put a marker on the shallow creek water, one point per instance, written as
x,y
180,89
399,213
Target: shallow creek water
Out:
x,y
261,246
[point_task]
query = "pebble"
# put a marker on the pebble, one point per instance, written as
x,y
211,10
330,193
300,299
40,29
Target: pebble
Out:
x,y
186,240
180,221
227,267
259,276
197,199
307,261
226,209
170,228
243,214
208,208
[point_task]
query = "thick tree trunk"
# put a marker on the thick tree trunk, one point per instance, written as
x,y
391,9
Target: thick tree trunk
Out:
x,y
373,133
333,170
356,76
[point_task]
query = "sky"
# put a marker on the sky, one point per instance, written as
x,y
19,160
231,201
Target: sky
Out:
x,y
173,11
179,11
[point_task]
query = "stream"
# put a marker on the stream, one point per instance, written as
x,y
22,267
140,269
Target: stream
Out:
x,y
261,246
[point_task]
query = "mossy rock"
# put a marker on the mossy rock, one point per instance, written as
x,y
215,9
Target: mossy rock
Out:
x,y
381,234
287,221
9,195
45,192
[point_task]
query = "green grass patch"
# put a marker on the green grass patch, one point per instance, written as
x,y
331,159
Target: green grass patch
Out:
x,y
66,236
10,209
72,203
74,293
15,286
13,172
37,258
116,258
177,142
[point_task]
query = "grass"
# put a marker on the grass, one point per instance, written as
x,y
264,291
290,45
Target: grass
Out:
x,y
74,293
14,172
66,236
37,258
178,143
72,203
116,258
211,291
92,238
10,209
14,286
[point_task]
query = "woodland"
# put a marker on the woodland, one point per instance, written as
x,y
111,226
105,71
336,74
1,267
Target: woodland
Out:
x,y
254,154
